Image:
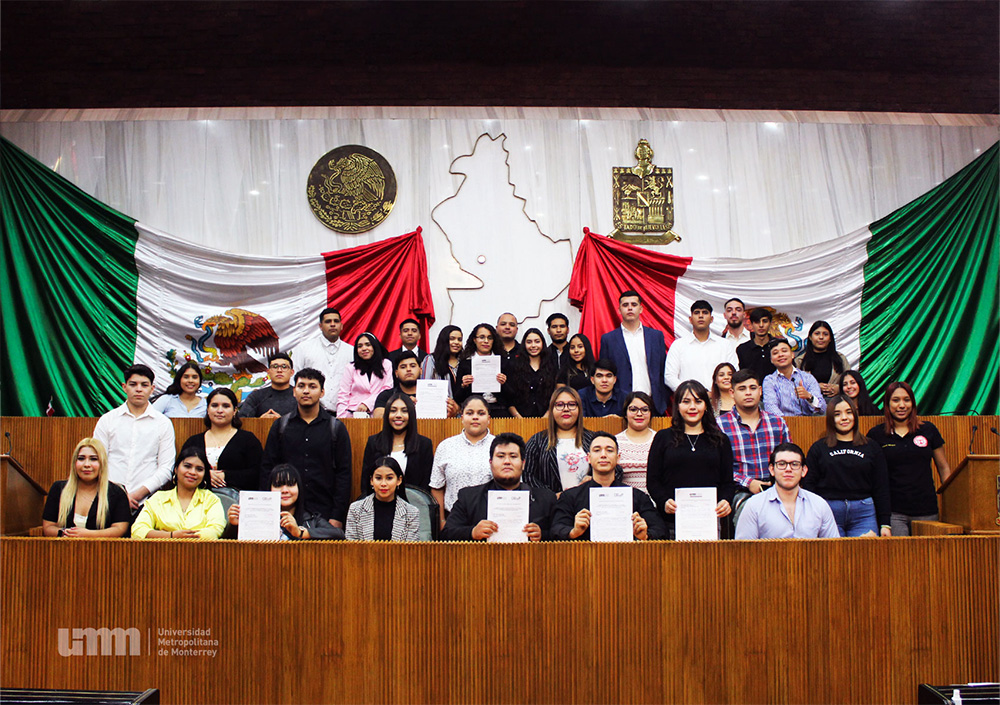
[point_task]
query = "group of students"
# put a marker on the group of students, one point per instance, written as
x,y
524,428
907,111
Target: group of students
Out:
x,y
850,483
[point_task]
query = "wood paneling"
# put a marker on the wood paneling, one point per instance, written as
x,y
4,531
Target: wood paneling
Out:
x,y
840,620
43,445
969,497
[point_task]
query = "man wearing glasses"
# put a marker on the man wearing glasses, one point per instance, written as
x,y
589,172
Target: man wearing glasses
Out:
x,y
785,510
275,400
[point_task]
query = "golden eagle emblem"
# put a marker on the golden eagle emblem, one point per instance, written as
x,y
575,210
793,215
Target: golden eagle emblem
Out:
x,y
351,189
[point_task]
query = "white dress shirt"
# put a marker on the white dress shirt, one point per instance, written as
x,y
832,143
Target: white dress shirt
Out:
x,y
743,337
690,358
330,359
140,448
635,344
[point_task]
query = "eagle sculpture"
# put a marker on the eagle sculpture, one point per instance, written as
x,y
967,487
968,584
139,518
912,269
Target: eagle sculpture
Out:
x,y
358,176
239,330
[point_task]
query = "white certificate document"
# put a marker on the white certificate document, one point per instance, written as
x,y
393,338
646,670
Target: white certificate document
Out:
x,y
485,369
260,516
696,520
509,510
432,398
610,513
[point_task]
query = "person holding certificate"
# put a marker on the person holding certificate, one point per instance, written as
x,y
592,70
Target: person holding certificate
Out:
x,y
693,452
295,522
399,440
383,516
188,510
503,510
484,351
605,508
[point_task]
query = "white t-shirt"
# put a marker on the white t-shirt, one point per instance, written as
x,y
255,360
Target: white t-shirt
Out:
x,y
573,465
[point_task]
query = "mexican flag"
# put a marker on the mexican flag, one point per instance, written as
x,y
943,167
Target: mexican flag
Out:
x,y
913,296
87,291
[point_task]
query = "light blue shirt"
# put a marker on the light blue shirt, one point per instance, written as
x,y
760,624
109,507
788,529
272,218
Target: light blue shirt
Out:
x,y
171,406
780,398
764,517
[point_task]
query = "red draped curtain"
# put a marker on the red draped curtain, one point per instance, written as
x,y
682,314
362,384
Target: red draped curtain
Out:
x,y
375,287
604,268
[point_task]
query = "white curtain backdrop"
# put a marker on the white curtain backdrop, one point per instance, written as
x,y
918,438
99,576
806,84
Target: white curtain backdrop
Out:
x,y
528,188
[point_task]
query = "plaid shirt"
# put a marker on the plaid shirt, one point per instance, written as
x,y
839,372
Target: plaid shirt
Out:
x,y
751,449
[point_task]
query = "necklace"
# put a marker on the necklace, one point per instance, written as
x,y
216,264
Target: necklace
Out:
x,y
697,436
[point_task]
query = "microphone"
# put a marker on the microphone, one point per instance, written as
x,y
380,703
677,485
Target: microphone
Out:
x,y
972,438
995,432
10,443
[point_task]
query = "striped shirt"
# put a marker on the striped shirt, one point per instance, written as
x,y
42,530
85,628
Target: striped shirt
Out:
x,y
751,449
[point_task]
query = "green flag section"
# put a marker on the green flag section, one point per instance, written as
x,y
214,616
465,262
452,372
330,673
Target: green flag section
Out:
x,y
68,291
929,309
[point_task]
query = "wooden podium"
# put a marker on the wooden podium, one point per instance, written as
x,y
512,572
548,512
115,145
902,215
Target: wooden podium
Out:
x,y
969,497
21,499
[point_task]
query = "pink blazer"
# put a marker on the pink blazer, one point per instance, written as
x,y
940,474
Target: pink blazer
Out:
x,y
357,389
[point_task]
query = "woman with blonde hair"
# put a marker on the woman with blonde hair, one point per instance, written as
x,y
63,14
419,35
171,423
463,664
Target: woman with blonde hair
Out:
x,y
86,503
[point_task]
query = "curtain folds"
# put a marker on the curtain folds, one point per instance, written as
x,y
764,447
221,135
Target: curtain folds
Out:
x,y
68,290
930,306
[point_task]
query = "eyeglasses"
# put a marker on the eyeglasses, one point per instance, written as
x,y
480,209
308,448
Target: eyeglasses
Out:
x,y
793,464
638,410
281,367
484,337
568,405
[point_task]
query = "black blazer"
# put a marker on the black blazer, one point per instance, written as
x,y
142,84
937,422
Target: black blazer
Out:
x,y
472,506
418,467
240,459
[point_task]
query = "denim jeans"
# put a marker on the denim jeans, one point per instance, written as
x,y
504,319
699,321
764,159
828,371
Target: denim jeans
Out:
x,y
854,517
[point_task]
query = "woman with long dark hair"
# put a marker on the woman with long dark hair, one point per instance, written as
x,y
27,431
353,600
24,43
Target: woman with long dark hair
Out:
x,y
181,399
532,377
400,441
909,445
86,504
233,454
296,523
443,362
369,374
578,363
556,458
188,510
693,452
722,388
821,359
848,470
483,341
636,440
853,387
383,515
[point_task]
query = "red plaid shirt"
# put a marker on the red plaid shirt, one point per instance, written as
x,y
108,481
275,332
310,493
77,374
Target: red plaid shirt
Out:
x,y
751,449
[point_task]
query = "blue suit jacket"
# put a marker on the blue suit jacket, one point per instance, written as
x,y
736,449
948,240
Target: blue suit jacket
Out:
x,y
613,348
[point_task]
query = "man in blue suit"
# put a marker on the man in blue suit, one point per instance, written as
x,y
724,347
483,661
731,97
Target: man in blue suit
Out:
x,y
639,353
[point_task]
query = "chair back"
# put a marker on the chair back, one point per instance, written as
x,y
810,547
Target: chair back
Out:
x,y
429,512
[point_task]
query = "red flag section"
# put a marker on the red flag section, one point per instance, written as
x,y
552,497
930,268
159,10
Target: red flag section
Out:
x,y
375,287
604,268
